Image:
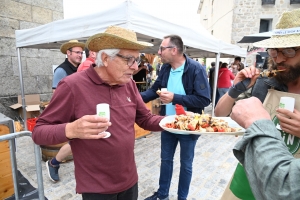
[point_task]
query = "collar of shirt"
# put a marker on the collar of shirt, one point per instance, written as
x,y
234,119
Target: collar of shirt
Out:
x,y
93,75
179,69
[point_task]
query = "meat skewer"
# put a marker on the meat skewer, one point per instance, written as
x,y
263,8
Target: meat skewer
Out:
x,y
270,73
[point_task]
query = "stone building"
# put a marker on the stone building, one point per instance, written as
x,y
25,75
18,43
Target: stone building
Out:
x,y
230,20
36,63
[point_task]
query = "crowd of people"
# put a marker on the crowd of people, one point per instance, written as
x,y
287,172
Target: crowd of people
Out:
x,y
267,168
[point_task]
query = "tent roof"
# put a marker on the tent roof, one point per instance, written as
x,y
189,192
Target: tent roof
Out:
x,y
256,37
127,14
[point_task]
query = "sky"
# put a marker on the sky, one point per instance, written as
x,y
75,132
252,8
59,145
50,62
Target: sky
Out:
x,y
179,11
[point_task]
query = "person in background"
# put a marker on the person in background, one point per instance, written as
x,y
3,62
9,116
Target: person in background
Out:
x,y
105,168
272,171
149,73
90,59
203,65
187,85
149,68
74,50
139,75
240,67
283,49
238,62
224,79
211,77
234,69
158,66
217,92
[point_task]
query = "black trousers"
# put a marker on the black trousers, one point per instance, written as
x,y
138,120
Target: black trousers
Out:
x,y
130,194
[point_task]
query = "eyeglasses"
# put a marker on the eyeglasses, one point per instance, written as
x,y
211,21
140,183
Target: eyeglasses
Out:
x,y
130,59
287,52
77,52
162,48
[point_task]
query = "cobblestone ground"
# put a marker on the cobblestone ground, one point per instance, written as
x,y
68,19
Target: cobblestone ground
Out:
x,y
213,166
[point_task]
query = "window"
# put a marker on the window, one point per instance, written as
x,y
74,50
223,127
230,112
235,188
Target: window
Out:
x,y
265,25
264,2
295,2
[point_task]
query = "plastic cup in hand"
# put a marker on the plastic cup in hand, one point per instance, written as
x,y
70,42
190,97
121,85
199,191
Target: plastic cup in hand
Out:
x,y
287,103
163,90
104,111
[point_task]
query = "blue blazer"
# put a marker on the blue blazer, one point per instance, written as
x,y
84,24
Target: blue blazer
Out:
x,y
194,80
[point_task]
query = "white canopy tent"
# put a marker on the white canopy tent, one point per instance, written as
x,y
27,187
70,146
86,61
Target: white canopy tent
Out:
x,y
127,14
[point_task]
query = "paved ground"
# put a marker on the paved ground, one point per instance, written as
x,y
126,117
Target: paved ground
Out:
x,y
213,166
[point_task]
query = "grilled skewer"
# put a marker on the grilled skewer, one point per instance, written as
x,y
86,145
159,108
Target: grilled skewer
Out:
x,y
270,73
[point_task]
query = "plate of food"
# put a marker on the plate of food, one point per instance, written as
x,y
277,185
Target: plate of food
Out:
x,y
201,124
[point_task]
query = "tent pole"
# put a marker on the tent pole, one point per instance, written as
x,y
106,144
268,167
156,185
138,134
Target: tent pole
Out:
x,y
39,173
22,88
215,84
36,147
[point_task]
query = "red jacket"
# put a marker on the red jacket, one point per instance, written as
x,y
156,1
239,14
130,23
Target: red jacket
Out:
x,y
85,64
225,77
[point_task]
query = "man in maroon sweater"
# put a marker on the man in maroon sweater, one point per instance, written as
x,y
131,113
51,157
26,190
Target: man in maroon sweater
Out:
x,y
104,167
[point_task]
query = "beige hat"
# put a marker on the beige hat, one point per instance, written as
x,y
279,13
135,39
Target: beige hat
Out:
x,y
116,37
287,33
72,43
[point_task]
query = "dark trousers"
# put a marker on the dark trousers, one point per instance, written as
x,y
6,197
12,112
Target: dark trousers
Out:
x,y
169,142
130,194
217,95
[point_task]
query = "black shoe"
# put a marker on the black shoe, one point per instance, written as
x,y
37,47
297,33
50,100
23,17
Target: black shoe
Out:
x,y
155,197
52,171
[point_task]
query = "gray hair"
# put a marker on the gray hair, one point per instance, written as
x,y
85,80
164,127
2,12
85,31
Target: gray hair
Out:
x,y
110,52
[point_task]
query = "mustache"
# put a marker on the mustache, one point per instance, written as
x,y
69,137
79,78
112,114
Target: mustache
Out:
x,y
275,66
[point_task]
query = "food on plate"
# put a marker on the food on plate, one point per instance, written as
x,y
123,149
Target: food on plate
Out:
x,y
200,123
158,92
270,73
179,109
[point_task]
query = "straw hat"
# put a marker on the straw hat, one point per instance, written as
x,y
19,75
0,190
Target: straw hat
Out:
x,y
287,33
72,43
116,38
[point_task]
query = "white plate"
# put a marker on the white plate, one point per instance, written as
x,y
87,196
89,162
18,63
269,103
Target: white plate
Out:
x,y
231,123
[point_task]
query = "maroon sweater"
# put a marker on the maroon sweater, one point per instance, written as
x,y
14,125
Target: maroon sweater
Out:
x,y
105,165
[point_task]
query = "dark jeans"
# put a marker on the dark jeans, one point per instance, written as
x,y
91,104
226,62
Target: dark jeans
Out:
x,y
217,95
130,194
169,143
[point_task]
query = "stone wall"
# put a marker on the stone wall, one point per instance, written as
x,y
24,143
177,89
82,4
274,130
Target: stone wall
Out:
x,y
36,63
247,15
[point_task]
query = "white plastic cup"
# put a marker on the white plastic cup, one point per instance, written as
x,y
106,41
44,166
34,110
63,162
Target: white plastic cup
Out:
x,y
287,103
103,110
163,90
